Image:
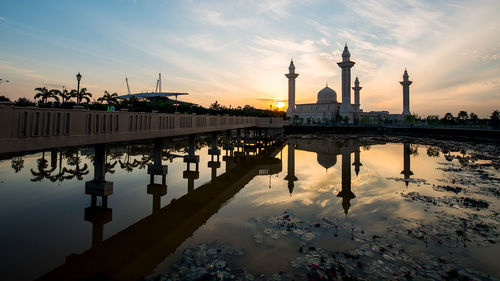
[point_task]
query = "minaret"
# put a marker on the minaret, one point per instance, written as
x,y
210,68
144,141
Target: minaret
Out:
x,y
346,192
406,93
346,65
356,89
290,177
406,163
291,75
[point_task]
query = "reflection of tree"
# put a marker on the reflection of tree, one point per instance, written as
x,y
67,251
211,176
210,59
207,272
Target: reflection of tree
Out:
x,y
413,150
61,174
43,172
433,151
110,166
145,159
127,165
17,164
73,159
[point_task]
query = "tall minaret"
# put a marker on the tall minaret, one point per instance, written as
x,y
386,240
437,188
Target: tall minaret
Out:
x,y
356,89
291,75
406,93
346,64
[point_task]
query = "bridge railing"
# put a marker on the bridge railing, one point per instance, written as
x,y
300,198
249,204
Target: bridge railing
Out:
x,y
29,128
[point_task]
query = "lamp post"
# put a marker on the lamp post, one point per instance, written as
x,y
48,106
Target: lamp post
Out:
x,y
78,78
271,114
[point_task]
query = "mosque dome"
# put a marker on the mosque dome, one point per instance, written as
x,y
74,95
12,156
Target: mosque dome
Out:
x,y
326,160
327,95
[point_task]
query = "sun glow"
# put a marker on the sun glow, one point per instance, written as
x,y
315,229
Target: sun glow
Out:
x,y
280,105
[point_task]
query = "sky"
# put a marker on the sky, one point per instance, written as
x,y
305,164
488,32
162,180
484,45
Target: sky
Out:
x,y
236,52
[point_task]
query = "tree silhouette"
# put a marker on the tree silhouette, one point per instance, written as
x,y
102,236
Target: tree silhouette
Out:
x,y
462,116
65,95
44,94
107,97
82,95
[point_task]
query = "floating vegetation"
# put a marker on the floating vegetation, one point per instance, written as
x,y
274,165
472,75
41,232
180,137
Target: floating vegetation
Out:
x,y
451,201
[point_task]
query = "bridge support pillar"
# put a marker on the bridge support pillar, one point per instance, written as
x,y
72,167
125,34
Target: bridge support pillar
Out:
x,y
157,169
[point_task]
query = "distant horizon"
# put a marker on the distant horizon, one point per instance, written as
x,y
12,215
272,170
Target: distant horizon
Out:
x,y
237,52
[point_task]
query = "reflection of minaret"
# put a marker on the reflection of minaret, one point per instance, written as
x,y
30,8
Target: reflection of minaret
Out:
x,y
98,187
189,159
157,190
406,157
406,93
214,153
346,65
291,75
290,175
346,192
357,163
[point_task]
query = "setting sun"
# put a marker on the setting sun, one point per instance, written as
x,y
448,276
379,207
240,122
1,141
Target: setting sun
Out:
x,y
280,105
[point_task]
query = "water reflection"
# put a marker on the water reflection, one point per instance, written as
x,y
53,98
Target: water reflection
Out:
x,y
131,249
135,251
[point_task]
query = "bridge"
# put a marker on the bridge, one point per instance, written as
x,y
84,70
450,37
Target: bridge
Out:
x,y
34,128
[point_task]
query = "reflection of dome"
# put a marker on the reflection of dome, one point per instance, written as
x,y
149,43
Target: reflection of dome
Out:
x,y
326,160
327,95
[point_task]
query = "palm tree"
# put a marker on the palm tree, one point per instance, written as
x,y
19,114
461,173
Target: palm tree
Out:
x,y
65,95
108,97
82,95
45,94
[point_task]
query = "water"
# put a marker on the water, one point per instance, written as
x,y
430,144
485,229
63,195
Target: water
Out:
x,y
319,207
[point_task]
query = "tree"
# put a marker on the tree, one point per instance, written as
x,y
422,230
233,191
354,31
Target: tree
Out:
x,y
216,106
448,119
44,94
82,95
365,120
462,117
432,119
495,119
65,95
107,97
4,98
410,119
24,102
473,118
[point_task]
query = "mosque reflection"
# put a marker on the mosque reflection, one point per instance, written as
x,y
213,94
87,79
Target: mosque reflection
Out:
x,y
327,151
135,251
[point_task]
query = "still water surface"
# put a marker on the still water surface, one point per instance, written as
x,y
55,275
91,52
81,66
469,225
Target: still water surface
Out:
x,y
318,207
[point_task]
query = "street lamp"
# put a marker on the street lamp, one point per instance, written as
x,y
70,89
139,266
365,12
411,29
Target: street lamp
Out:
x,y
271,114
78,78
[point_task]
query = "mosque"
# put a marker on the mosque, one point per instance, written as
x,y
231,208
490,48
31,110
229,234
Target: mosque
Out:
x,y
327,110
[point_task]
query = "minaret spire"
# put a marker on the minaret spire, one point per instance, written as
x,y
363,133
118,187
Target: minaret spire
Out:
x,y
346,65
291,75
406,93
356,89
